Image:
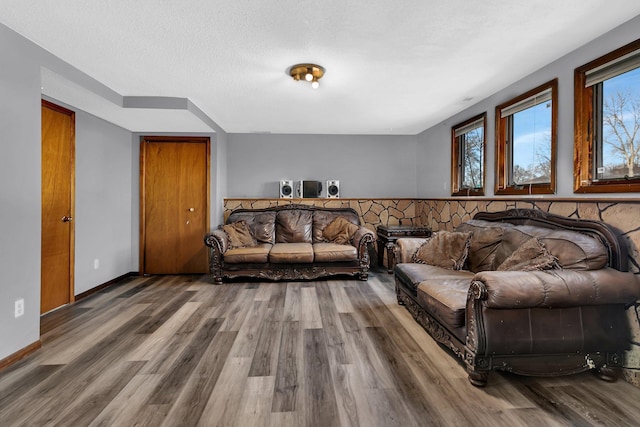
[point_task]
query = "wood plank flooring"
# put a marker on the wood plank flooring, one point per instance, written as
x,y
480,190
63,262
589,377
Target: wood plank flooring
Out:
x,y
179,351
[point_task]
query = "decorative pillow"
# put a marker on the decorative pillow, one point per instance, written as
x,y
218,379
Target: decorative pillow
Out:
x,y
240,235
485,243
444,249
340,231
531,255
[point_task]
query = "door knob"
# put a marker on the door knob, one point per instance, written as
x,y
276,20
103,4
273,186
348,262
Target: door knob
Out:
x,y
67,219
192,209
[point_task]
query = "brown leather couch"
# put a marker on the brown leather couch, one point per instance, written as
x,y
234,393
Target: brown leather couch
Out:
x,y
290,245
566,318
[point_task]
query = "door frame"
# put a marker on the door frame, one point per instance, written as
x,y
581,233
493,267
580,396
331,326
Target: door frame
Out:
x,y
72,196
143,139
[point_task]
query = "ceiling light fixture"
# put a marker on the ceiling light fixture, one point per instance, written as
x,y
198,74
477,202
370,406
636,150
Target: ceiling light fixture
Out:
x,y
309,72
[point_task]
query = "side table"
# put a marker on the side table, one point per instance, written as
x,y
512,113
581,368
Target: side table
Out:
x,y
387,236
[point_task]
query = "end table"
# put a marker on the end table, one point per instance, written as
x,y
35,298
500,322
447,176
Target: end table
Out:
x,y
387,236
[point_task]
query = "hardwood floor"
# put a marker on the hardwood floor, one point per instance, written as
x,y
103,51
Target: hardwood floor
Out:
x,y
179,351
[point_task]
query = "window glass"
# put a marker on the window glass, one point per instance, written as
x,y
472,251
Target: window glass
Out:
x,y
526,142
618,114
531,136
607,123
468,157
472,147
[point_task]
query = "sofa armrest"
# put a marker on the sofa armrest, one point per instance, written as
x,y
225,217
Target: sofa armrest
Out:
x,y
217,239
361,240
554,288
218,242
406,247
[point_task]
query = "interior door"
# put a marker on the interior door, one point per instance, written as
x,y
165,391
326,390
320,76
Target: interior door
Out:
x,y
174,205
58,170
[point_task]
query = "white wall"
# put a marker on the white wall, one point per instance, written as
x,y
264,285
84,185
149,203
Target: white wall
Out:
x,y
366,166
434,144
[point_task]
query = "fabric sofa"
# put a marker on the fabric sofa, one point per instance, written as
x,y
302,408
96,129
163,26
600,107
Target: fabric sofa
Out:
x,y
291,242
535,293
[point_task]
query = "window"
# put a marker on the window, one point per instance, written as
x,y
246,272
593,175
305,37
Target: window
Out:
x,y
526,142
607,123
467,157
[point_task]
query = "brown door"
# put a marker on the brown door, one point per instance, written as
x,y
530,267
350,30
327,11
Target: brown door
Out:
x,y
58,165
174,214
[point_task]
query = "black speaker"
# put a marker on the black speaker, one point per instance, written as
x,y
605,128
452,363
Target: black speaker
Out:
x,y
286,189
310,189
333,189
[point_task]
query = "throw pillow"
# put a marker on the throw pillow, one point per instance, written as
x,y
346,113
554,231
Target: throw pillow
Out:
x,y
240,235
444,249
340,231
531,255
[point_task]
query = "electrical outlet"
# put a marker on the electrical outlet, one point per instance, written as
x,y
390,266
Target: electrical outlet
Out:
x,y
96,264
19,307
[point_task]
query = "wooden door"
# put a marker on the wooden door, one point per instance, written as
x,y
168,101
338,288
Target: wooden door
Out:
x,y
57,238
174,209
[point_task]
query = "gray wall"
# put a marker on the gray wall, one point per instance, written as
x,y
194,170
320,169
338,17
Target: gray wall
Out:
x,y
434,144
219,178
104,182
19,192
107,189
104,206
367,166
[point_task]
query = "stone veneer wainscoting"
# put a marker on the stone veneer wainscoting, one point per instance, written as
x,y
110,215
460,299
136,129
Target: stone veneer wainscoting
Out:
x,y
446,214
373,212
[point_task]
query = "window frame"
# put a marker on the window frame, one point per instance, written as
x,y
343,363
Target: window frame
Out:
x,y
585,131
502,184
456,173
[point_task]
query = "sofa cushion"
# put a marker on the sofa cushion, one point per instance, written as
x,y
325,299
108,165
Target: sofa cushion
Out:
x,y
445,299
339,231
254,254
329,252
485,240
413,274
240,235
532,255
444,249
293,226
262,224
291,253
574,250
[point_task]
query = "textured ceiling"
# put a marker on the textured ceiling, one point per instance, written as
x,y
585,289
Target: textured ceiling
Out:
x,y
393,67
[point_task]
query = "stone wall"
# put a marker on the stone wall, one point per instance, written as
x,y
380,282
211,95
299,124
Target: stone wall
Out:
x,y
372,212
446,214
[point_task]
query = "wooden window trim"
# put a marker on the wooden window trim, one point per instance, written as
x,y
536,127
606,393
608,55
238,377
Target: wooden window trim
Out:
x,y
583,145
455,155
502,186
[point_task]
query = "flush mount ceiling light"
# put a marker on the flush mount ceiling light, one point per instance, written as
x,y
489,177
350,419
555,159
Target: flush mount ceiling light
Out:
x,y
308,72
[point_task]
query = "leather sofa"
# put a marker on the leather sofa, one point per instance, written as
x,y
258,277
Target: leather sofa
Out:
x,y
291,243
562,315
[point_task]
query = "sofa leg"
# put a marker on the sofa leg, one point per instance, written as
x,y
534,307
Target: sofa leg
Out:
x,y
478,379
607,374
